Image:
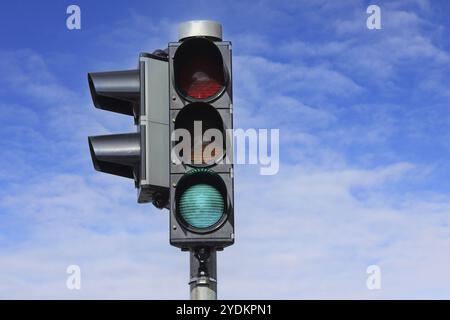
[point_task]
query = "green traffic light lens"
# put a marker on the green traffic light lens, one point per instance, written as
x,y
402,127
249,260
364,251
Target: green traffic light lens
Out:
x,y
201,206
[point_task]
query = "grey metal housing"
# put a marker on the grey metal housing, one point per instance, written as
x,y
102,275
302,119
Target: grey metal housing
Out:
x,y
200,28
154,129
142,155
223,235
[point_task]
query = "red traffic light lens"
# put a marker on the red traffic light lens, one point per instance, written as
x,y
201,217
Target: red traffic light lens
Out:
x,y
200,78
199,70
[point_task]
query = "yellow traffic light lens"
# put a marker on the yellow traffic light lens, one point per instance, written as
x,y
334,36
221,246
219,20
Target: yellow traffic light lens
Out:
x,y
205,117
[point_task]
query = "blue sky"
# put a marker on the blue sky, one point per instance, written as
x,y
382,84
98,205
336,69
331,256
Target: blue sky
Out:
x,y
364,125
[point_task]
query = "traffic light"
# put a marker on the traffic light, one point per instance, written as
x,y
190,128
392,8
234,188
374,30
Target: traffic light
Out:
x,y
142,155
201,119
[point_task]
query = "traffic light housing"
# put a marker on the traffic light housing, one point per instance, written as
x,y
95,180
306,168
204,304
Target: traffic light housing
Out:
x,y
142,155
201,179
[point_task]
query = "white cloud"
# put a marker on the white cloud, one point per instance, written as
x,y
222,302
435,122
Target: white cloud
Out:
x,y
300,234
257,74
315,238
93,223
300,48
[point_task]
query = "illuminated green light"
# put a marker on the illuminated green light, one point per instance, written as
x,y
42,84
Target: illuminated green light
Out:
x,y
201,206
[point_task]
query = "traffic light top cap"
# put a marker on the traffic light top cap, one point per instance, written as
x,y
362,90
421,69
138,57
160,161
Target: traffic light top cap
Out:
x,y
200,28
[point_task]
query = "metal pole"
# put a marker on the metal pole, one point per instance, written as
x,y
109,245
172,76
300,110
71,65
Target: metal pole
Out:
x,y
203,274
